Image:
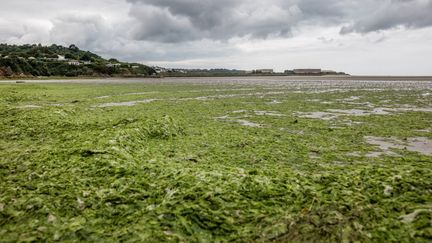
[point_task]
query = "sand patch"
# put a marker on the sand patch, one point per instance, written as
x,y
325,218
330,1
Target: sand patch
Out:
x,y
248,123
239,120
242,114
225,96
357,112
420,145
259,113
409,218
274,102
127,103
330,114
29,107
327,116
352,98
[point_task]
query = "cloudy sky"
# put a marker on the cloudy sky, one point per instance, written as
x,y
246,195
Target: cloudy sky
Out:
x,y
357,36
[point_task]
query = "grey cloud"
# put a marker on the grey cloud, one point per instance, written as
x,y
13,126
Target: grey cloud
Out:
x,y
84,30
187,20
156,24
388,14
203,14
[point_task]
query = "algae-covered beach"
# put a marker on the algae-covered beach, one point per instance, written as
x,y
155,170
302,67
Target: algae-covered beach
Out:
x,y
215,160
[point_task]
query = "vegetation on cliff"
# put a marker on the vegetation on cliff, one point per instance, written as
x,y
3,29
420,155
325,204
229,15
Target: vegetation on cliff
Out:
x,y
56,60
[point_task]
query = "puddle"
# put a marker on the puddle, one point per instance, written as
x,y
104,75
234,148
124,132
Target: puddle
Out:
x,y
421,145
127,103
248,123
317,115
239,120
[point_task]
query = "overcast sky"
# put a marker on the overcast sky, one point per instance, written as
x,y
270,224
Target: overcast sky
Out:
x,y
356,36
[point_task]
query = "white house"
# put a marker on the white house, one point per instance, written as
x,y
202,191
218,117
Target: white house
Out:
x,y
113,65
74,62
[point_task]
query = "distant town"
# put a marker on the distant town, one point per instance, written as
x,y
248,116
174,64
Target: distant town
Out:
x,y
258,72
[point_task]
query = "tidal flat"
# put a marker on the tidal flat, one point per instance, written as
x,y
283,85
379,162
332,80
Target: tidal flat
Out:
x,y
216,160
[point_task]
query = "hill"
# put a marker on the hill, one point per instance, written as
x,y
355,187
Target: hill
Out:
x,y
55,60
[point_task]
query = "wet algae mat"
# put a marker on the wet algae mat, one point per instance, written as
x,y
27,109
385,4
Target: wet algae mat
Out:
x,y
216,161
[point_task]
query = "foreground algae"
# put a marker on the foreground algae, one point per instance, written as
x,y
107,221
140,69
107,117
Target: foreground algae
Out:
x,y
170,170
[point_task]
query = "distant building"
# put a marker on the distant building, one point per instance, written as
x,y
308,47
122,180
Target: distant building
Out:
x,y
328,72
32,58
265,71
308,71
113,65
61,58
87,62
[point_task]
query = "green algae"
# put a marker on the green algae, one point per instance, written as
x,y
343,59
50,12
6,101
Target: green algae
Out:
x,y
171,171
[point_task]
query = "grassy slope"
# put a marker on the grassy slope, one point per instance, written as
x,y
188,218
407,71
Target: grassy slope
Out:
x,y
168,170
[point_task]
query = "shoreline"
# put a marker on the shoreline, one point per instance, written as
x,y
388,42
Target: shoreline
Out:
x,y
278,77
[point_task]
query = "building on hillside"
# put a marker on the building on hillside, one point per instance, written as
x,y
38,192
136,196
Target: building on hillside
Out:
x,y
61,58
113,65
307,71
264,71
74,62
159,69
